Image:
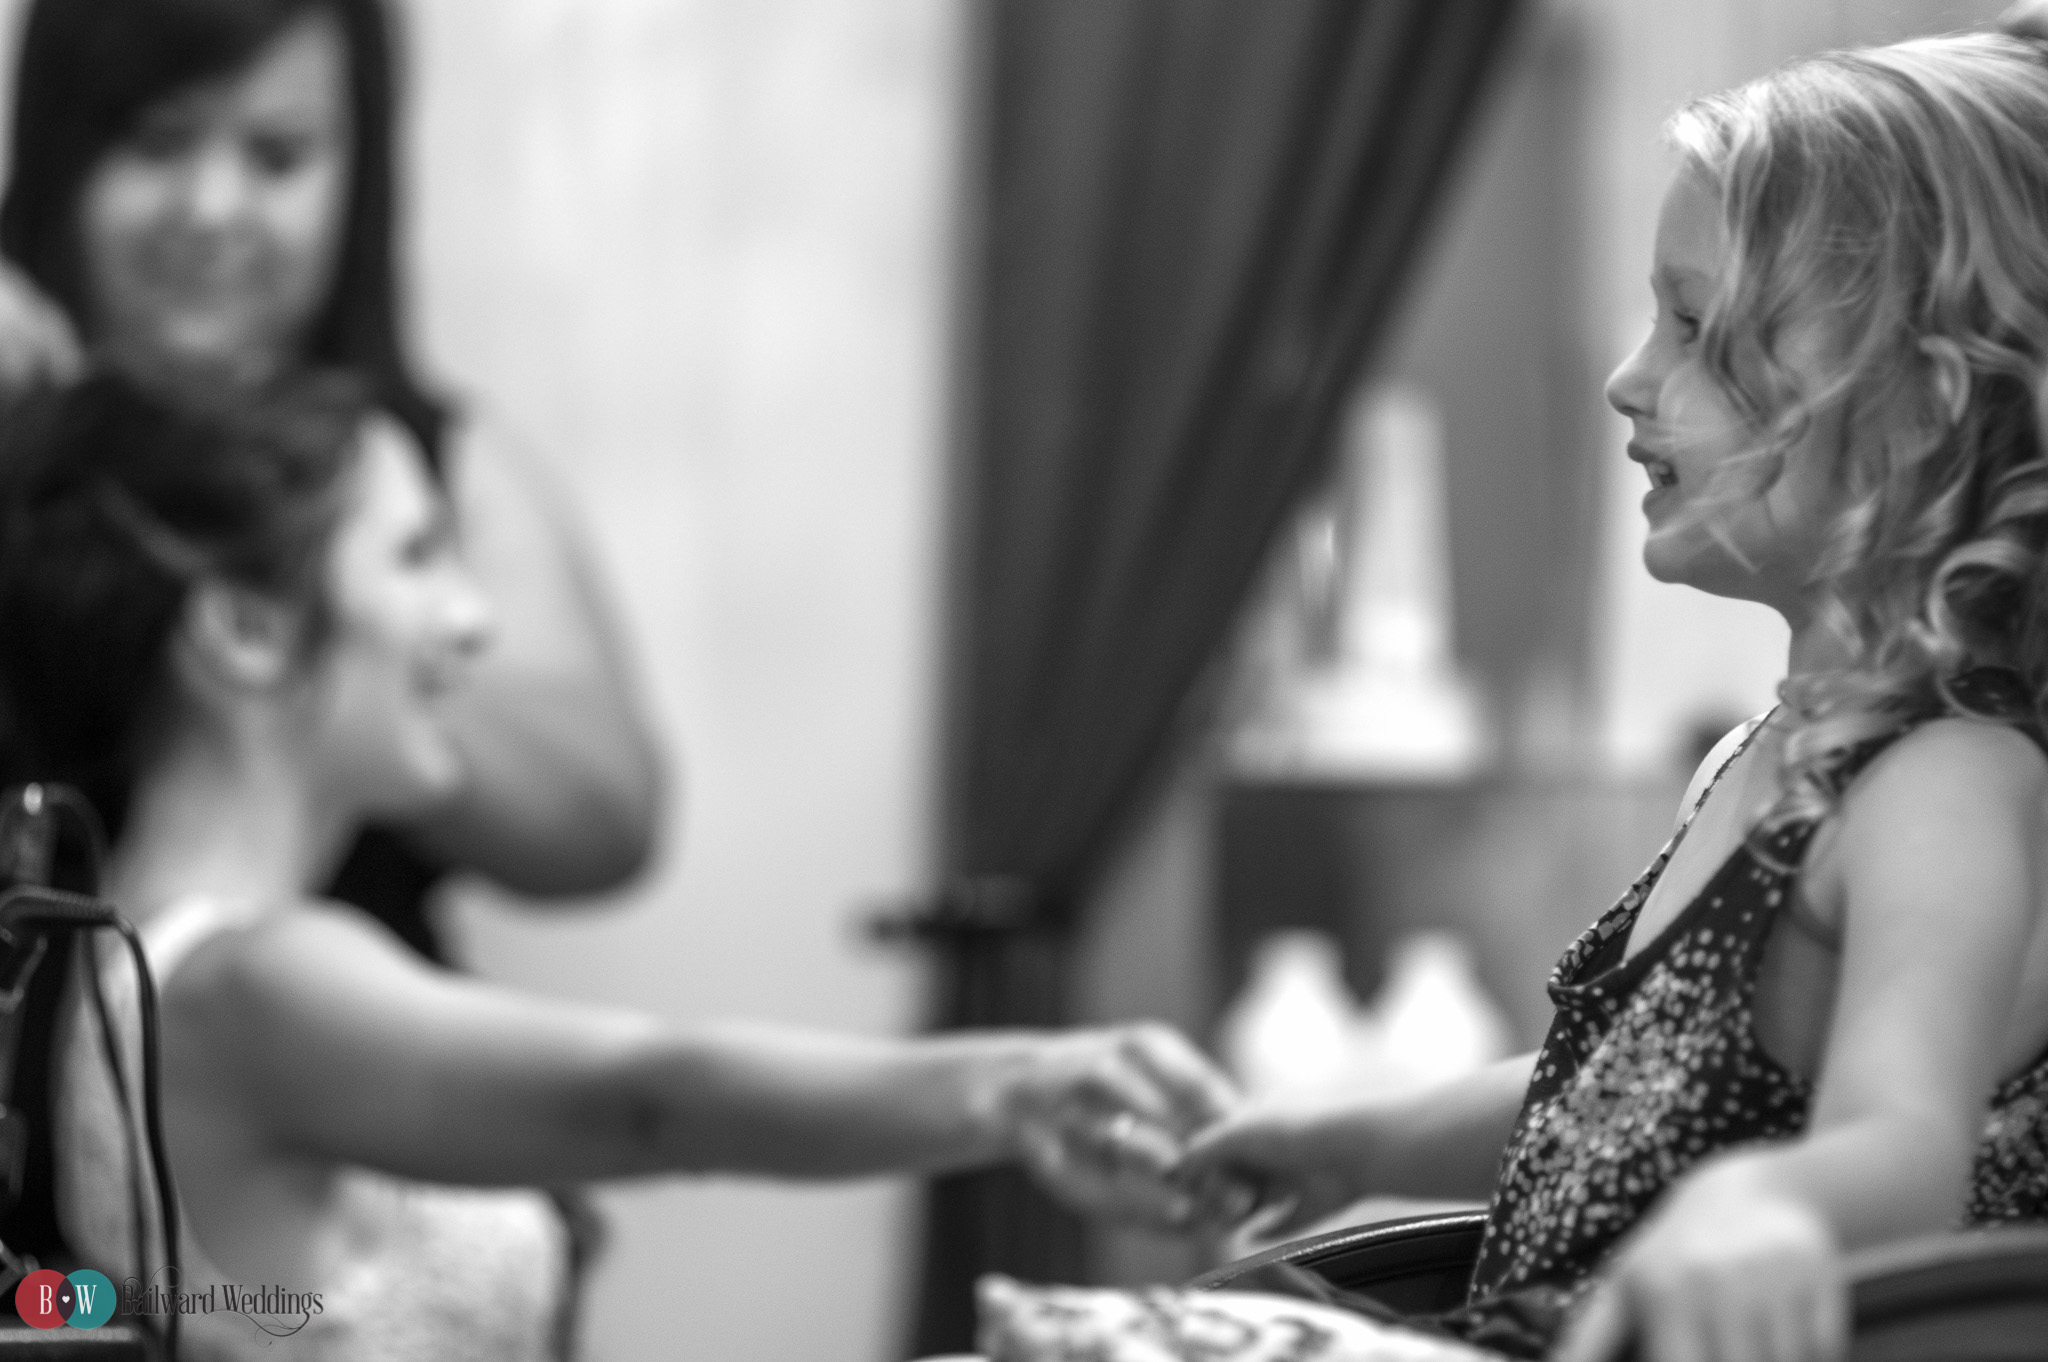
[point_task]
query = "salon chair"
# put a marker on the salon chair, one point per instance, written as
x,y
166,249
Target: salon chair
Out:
x,y
1974,1296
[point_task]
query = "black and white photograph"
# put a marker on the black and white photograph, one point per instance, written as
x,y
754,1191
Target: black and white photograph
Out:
x,y
1024,680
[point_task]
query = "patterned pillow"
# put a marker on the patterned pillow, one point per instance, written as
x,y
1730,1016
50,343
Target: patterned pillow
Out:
x,y
1022,1323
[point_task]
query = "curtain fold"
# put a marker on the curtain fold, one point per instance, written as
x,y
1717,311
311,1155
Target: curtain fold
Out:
x,y
1193,217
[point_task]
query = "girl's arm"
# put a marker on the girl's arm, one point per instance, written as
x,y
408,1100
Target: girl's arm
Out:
x,y
1941,854
322,1037
1444,1143
565,776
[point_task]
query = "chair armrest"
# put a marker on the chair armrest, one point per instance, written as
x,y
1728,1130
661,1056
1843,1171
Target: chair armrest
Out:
x,y
1975,1296
1415,1264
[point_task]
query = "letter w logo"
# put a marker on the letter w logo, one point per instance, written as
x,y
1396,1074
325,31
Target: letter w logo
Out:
x,y
85,1290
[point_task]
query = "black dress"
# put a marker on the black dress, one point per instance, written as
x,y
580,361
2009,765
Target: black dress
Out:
x,y
1652,1064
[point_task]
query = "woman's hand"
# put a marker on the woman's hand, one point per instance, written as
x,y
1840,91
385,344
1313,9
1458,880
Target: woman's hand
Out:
x,y
1099,1118
1725,1271
1309,1161
37,342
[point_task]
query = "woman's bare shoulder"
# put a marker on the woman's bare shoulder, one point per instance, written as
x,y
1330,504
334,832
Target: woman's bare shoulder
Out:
x,y
250,983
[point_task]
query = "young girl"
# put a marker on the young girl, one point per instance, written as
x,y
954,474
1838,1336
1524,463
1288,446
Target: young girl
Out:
x,y
1820,1019
236,630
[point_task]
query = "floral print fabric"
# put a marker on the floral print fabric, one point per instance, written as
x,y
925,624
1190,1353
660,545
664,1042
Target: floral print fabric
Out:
x,y
1651,1065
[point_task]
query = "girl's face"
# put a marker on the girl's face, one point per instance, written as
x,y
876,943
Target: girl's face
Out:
x,y
210,234
406,616
1686,428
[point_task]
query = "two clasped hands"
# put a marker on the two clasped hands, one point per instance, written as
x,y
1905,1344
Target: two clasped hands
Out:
x,y
1134,1124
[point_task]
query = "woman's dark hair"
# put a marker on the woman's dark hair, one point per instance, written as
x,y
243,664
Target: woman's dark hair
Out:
x,y
112,504
89,69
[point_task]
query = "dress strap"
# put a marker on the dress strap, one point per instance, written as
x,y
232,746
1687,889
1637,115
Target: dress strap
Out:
x,y
1749,732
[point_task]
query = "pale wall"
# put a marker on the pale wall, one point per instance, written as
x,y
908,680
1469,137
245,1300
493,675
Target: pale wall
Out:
x,y
696,248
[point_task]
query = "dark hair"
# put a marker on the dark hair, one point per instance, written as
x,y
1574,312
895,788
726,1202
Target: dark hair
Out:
x,y
89,69
112,503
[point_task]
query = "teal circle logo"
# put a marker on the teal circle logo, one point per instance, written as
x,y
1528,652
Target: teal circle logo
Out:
x,y
92,1299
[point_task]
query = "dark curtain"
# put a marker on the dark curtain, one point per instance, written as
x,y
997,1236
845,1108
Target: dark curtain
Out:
x,y
1190,221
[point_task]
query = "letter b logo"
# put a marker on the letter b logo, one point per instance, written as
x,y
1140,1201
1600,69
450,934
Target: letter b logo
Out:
x,y
43,1299
46,1299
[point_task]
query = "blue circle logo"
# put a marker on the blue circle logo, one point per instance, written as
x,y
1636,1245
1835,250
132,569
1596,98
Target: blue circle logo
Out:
x,y
92,1299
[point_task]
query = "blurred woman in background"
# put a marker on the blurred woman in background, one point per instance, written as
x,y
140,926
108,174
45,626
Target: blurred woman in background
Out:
x,y
201,196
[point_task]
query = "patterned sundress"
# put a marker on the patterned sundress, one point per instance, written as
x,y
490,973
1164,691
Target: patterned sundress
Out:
x,y
1652,1064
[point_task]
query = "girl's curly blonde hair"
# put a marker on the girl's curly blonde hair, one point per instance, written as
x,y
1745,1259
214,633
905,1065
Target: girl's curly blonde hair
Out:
x,y
1901,193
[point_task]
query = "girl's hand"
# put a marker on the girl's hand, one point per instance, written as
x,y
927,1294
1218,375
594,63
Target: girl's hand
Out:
x,y
1099,1118
1723,1272
1306,1160
37,342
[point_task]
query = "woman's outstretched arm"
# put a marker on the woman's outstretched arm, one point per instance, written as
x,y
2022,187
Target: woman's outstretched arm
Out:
x,y
324,1037
565,775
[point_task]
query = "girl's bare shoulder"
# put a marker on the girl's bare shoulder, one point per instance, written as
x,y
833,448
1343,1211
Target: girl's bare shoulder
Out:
x,y
1962,793
1958,758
